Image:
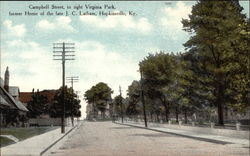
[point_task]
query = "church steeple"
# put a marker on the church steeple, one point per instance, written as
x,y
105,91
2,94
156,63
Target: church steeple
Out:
x,y
6,79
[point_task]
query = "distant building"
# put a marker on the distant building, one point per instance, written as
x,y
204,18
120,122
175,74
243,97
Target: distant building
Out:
x,y
93,113
14,92
26,97
89,111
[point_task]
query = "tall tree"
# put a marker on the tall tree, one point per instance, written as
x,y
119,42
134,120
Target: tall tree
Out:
x,y
133,99
158,71
99,95
191,92
215,29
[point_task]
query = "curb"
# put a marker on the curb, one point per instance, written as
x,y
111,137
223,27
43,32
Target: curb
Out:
x,y
46,149
182,135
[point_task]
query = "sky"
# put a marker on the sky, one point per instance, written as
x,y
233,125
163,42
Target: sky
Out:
x,y
107,48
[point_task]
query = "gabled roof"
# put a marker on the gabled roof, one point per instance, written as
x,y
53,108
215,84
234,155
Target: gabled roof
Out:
x,y
21,106
4,100
11,101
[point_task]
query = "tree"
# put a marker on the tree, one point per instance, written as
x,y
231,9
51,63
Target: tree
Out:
x,y
190,89
70,105
118,105
215,46
240,80
133,99
99,95
158,71
38,105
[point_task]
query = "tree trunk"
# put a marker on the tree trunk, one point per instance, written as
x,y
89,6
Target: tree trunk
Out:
x,y
220,114
219,103
166,109
226,113
151,116
185,113
177,114
166,112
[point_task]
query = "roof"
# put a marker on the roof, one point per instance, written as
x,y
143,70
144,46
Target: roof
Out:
x,y
25,97
21,106
3,101
11,101
13,90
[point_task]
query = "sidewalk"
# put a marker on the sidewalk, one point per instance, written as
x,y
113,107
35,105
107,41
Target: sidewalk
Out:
x,y
36,145
189,134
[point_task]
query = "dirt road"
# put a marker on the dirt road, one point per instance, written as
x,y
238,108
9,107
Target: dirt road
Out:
x,y
109,139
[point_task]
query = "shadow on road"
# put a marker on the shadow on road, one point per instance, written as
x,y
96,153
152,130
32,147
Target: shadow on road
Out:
x,y
153,135
122,128
182,135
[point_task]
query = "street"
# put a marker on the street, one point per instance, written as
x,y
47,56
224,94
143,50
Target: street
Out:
x,y
109,139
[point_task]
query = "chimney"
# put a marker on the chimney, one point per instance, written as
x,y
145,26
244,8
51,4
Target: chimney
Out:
x,y
6,79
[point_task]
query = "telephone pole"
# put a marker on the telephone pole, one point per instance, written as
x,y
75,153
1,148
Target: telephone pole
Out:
x,y
143,101
121,102
71,80
63,51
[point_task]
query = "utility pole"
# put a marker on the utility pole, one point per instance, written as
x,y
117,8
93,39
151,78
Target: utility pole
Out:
x,y
71,80
143,101
63,51
121,102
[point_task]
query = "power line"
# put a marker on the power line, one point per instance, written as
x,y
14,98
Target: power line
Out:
x,y
63,56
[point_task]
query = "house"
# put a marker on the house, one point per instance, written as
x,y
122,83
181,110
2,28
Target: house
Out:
x,y
93,113
14,92
12,110
26,97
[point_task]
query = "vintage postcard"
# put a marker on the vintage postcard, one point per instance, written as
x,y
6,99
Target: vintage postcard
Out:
x,y
121,78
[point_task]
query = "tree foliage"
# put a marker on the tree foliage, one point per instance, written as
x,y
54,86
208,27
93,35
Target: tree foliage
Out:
x,y
219,47
72,103
158,72
38,105
98,95
133,99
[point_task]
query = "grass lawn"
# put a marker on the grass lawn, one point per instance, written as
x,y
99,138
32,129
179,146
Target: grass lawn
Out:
x,y
5,141
22,133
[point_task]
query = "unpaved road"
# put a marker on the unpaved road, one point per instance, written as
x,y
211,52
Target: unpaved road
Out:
x,y
109,139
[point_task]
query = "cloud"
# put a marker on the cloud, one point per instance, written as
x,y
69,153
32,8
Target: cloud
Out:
x,y
31,66
141,25
172,16
94,62
45,25
61,23
15,30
